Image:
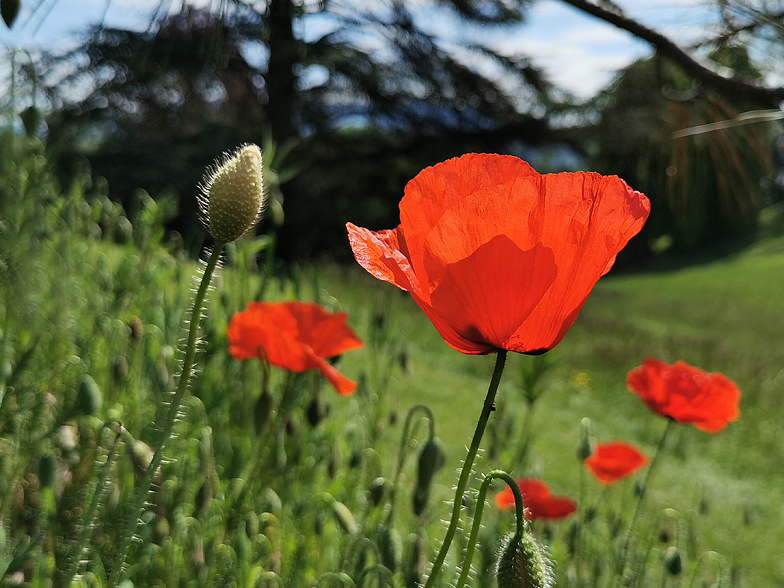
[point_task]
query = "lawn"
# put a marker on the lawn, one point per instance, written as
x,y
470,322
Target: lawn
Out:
x,y
725,315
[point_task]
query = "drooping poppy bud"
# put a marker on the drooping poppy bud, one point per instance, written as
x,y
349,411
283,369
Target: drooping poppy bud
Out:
x,y
673,562
47,470
232,199
262,411
88,396
390,546
523,563
431,459
377,490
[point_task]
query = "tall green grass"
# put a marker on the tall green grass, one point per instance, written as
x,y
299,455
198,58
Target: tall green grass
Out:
x,y
90,291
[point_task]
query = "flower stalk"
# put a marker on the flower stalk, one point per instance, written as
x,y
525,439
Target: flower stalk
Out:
x,y
480,507
465,473
641,499
174,407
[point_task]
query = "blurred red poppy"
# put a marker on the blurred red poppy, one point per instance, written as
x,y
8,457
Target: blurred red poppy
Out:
x,y
686,394
614,461
499,256
538,502
296,336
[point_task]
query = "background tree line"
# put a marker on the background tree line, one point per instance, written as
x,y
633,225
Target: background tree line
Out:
x,y
348,116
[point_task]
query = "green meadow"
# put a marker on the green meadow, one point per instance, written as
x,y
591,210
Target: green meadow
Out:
x,y
285,497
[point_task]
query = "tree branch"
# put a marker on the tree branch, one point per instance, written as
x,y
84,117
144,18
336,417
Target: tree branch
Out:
x,y
742,87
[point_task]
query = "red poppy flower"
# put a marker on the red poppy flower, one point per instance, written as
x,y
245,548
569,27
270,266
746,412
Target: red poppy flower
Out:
x,y
499,256
296,336
539,503
615,460
686,394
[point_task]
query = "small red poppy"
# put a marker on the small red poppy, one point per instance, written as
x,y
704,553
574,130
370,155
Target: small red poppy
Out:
x,y
686,394
296,336
499,256
614,461
538,502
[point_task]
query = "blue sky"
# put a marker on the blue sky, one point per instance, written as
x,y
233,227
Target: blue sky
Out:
x,y
579,53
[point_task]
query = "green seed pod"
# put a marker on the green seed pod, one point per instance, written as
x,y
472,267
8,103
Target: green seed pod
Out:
x,y
390,546
262,411
47,470
232,199
344,517
119,369
419,499
136,327
141,455
314,412
431,459
673,562
202,499
416,558
377,490
585,446
31,118
523,564
88,396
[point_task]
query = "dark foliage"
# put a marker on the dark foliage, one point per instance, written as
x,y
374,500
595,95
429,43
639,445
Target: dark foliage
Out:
x,y
370,103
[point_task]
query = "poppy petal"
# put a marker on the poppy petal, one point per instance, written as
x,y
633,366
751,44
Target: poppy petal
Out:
x,y
380,254
295,336
613,461
709,401
342,384
490,293
436,189
470,225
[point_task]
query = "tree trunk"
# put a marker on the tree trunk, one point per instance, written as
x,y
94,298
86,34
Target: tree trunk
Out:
x,y
280,75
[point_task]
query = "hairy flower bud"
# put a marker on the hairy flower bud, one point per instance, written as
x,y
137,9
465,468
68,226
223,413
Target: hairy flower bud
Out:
x,y
88,396
431,458
523,563
673,561
232,199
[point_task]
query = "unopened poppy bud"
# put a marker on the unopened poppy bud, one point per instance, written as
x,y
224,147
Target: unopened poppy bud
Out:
x,y
390,547
31,118
420,498
203,499
136,327
431,459
232,199
314,412
584,448
376,491
673,562
523,564
88,396
344,517
120,369
416,560
47,468
262,411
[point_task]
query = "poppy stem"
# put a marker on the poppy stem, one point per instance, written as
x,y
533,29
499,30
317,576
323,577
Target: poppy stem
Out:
x,y
171,417
480,506
462,482
641,499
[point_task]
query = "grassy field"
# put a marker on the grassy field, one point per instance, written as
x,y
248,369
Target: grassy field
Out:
x,y
726,315
90,293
